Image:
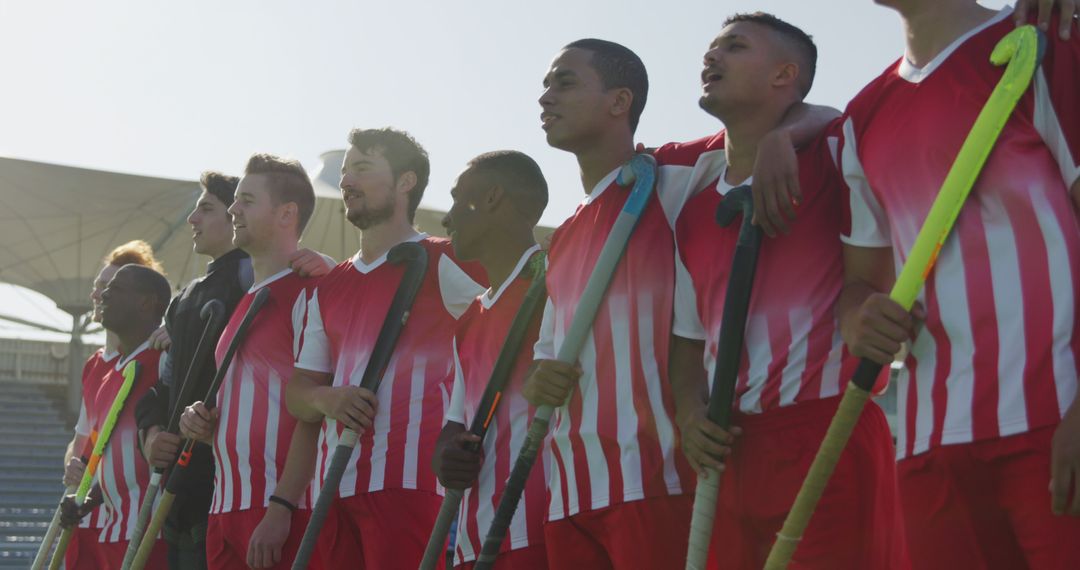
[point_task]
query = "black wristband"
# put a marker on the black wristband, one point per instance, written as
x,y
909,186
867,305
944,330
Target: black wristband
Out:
x,y
283,502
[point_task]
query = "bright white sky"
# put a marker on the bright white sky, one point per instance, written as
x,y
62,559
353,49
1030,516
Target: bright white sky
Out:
x,y
172,89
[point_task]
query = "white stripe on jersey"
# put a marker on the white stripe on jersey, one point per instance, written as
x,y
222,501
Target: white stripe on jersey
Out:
x,y
412,433
800,322
869,225
599,480
830,372
381,427
221,445
1049,128
1009,309
665,430
759,351
953,305
244,419
924,409
1065,366
134,490
627,419
273,412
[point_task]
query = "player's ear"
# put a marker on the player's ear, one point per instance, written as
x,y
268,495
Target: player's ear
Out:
x,y
786,74
288,214
493,197
406,182
622,101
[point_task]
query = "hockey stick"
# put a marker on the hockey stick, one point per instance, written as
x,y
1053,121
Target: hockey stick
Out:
x,y
212,313
42,555
189,446
131,372
641,170
728,358
416,259
530,307
1022,50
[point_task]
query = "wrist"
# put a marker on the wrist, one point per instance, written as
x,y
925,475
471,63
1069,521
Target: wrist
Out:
x,y
281,505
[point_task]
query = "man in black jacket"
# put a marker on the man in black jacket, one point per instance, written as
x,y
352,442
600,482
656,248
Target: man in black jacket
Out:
x,y
227,277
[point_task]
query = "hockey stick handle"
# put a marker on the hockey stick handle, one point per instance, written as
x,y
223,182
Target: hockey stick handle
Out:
x,y
42,555
641,170
1022,50
828,455
534,439
448,511
146,545
146,510
338,463
729,356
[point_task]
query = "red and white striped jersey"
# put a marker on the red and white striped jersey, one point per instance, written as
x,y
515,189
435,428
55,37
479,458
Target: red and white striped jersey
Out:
x,y
478,341
94,370
792,350
255,429
345,315
998,352
123,472
615,441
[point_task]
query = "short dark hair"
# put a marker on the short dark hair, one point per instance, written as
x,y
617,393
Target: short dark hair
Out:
x,y
150,282
798,39
403,153
220,185
520,178
289,182
618,67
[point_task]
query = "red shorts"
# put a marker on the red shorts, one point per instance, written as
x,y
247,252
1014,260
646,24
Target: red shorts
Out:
x,y
987,505
228,535
529,558
650,533
857,523
94,555
81,553
384,529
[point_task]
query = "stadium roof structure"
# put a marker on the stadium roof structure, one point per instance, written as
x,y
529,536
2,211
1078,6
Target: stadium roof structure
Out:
x,y
57,223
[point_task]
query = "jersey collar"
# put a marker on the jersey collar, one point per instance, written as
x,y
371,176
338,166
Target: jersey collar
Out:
x,y
270,280
123,361
912,74
366,268
489,298
601,186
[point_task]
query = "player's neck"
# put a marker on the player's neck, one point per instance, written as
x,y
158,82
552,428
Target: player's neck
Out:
x,y
127,341
598,160
378,239
929,27
741,138
265,264
111,342
502,256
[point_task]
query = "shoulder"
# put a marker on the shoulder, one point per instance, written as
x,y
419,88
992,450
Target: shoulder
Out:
x,y
687,153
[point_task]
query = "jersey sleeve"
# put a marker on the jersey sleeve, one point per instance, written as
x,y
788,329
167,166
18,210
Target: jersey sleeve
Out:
x,y
687,320
544,349
458,288
868,225
456,411
1057,90
312,345
82,426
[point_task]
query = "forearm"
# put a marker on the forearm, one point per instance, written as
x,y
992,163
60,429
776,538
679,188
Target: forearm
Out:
x,y
689,381
300,462
803,122
301,394
76,443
